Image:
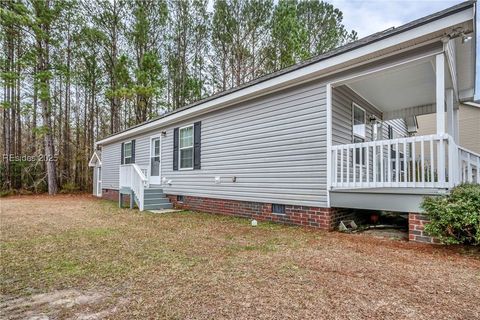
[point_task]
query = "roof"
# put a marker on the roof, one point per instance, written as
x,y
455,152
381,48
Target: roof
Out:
x,y
95,159
328,55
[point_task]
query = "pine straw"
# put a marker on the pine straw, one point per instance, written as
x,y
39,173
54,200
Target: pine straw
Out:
x,y
189,265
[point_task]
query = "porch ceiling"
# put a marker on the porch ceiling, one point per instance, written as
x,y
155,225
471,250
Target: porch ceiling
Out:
x,y
412,85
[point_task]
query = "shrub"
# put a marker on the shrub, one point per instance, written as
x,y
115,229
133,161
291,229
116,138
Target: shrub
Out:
x,y
69,187
455,218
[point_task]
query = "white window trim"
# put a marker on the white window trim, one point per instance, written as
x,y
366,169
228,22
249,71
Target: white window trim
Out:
x,y
364,138
180,149
124,150
355,105
159,136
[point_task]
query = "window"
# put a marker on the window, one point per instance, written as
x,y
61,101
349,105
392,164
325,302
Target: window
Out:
x,y
359,121
127,153
390,132
186,148
180,198
278,208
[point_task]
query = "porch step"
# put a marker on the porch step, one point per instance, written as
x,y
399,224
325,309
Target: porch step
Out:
x,y
155,200
153,190
158,206
154,195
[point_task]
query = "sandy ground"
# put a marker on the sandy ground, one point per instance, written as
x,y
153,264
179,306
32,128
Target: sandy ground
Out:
x,y
76,257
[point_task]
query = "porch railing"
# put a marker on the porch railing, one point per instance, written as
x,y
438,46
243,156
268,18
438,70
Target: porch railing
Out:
x,y
431,161
131,176
468,166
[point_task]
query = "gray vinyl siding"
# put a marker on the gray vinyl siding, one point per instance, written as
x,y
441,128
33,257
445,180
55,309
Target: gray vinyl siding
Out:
x,y
342,99
275,146
399,126
111,165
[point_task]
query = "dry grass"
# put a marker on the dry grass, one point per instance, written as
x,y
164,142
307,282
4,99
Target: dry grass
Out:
x,y
77,257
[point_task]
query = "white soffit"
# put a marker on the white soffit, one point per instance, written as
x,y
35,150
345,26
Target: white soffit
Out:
x,y
411,86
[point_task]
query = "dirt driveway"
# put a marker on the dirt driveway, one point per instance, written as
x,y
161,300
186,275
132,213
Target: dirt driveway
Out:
x,y
75,257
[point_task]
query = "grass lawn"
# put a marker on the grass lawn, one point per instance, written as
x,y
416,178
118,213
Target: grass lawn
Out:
x,y
83,258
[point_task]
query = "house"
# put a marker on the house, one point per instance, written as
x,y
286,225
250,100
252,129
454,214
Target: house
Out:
x,y
468,125
309,143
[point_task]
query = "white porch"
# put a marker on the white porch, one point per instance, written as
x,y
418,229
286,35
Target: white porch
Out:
x,y
395,173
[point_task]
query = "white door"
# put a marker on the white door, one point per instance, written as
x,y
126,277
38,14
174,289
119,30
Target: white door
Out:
x,y
99,181
155,160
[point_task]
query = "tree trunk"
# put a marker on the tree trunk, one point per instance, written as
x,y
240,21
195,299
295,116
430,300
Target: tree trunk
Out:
x,y
43,47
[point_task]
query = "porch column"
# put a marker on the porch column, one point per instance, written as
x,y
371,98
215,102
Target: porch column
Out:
x,y
440,92
440,112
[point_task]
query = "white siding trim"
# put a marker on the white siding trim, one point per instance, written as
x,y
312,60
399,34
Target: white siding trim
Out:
x,y
329,140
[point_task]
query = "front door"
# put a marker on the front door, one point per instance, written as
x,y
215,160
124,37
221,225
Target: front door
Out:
x,y
155,160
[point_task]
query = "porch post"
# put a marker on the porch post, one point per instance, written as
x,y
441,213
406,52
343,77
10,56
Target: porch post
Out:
x,y
452,142
440,112
440,92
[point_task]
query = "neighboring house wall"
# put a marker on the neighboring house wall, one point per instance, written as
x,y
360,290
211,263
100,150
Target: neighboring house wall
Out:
x,y
274,145
469,126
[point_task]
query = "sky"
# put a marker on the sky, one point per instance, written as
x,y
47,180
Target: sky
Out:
x,y
367,17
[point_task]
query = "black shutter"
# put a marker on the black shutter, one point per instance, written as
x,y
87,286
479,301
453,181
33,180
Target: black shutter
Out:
x,y
197,137
133,151
121,155
175,149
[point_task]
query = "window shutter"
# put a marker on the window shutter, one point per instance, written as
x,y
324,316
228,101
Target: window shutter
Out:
x,y
133,151
121,154
175,149
197,137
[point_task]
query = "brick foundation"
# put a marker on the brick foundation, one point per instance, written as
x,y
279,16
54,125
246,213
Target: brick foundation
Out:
x,y
416,226
110,194
315,217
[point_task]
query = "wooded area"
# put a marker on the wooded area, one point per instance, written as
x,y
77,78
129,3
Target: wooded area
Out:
x,y
76,71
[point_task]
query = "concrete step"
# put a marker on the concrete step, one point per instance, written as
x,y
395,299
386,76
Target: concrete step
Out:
x,y
158,206
155,200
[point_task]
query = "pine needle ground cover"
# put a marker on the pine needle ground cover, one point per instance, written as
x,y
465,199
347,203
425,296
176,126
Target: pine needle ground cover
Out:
x,y
80,257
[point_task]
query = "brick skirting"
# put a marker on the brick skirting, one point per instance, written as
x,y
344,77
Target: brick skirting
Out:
x,y
315,217
416,226
110,194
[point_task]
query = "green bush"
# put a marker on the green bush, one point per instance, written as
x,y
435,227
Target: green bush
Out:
x,y
69,187
455,218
